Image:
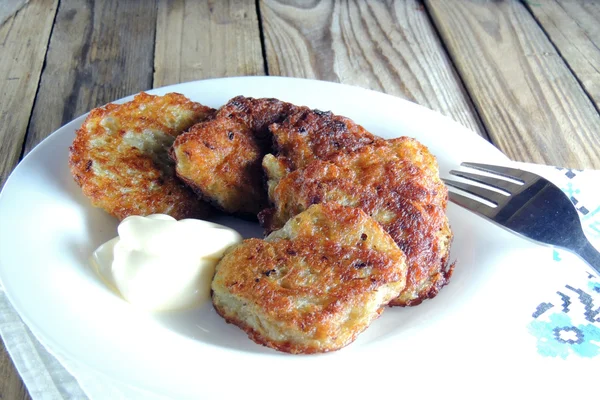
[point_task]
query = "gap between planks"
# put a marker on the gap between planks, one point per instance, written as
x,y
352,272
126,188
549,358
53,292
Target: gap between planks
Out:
x,y
533,107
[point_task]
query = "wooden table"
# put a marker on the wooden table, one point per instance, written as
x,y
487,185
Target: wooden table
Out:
x,y
524,75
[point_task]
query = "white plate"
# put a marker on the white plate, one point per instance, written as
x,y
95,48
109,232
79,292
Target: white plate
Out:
x,y
462,341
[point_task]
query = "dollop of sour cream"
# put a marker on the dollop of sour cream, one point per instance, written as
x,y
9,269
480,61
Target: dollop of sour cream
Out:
x,y
159,263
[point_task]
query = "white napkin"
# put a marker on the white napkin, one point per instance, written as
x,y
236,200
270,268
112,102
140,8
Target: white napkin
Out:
x,y
54,377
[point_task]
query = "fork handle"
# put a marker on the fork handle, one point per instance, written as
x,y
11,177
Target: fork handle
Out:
x,y
590,255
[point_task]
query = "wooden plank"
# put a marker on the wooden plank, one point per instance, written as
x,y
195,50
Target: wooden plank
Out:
x,y
574,28
11,386
98,53
199,40
20,69
10,8
22,50
533,107
386,46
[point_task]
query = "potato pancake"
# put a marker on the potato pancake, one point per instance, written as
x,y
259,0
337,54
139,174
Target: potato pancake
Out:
x,y
120,156
221,158
396,182
309,135
313,285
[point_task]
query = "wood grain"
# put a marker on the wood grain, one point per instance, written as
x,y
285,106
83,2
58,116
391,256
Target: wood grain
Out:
x,y
11,386
386,46
22,51
533,107
573,26
199,40
98,52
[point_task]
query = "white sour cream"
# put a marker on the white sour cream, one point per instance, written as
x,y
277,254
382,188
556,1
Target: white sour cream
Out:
x,y
159,263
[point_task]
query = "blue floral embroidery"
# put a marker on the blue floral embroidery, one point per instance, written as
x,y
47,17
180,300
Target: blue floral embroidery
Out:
x,y
568,324
569,190
558,337
556,256
594,286
592,223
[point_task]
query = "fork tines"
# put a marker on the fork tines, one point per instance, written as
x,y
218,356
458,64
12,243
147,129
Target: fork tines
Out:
x,y
514,182
528,204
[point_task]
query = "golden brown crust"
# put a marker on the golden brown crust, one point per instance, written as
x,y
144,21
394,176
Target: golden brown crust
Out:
x,y
120,156
309,135
218,160
221,158
397,183
314,285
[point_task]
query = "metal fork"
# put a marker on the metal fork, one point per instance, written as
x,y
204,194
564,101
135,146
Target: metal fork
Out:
x,y
534,208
